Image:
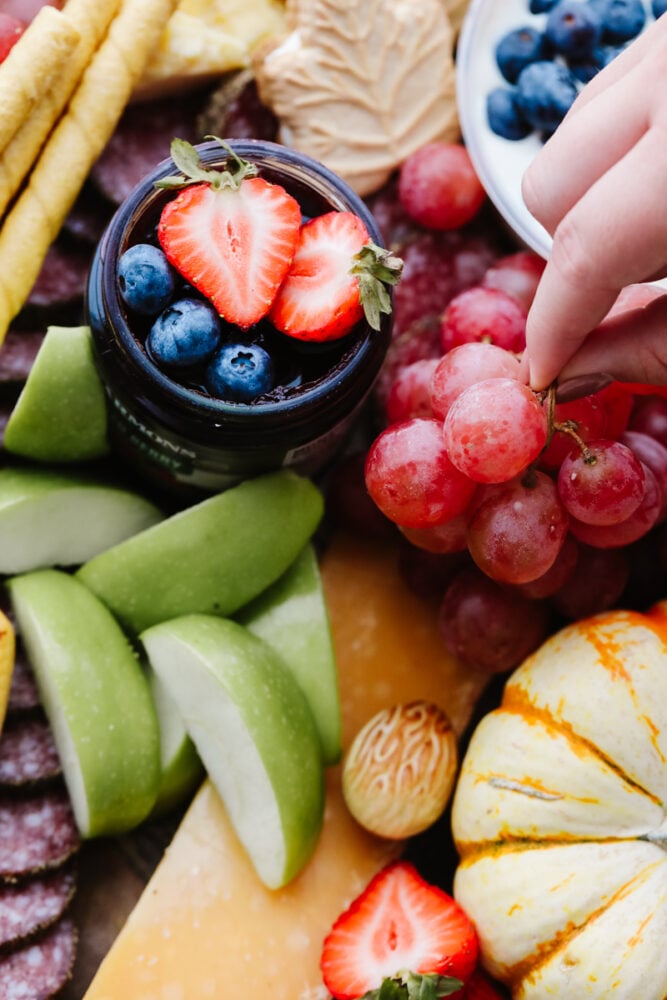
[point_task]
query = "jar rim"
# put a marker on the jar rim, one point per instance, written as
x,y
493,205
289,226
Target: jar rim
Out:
x,y
365,354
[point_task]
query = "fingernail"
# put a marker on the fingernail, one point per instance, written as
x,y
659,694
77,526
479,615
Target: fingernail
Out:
x,y
582,385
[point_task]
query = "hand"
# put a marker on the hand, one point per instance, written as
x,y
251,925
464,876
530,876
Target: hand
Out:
x,y
599,186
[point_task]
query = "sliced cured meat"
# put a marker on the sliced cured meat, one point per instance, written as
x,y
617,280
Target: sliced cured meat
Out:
x,y
25,10
28,754
39,970
37,833
31,906
141,140
88,217
63,275
17,355
23,693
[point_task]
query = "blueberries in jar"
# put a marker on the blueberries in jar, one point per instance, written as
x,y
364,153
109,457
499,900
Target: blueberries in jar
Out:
x,y
545,93
186,333
517,49
146,279
240,372
504,116
622,20
573,28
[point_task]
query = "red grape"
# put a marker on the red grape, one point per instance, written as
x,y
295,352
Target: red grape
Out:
x,y
429,573
517,529
649,451
517,274
488,626
558,573
464,366
410,394
588,419
420,341
484,314
348,503
650,417
494,430
451,536
11,29
596,585
617,405
602,486
612,536
438,186
410,477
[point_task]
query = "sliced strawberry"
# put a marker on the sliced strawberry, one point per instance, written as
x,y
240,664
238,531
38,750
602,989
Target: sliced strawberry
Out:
x,y
232,235
336,277
400,924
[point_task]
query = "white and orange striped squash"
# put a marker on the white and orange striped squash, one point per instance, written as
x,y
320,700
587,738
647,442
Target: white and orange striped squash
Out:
x,y
559,816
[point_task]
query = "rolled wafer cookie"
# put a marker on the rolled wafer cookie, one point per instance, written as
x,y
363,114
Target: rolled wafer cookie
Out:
x,y
28,72
91,19
78,139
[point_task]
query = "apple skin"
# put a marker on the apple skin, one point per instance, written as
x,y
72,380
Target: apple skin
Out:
x,y
291,615
52,518
254,732
61,415
213,557
181,768
96,697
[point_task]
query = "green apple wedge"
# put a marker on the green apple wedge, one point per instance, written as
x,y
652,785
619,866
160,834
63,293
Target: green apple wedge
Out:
x,y
180,767
60,415
52,518
291,616
254,732
96,697
213,557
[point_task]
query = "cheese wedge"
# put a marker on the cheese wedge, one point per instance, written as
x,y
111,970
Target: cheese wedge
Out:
x,y
205,927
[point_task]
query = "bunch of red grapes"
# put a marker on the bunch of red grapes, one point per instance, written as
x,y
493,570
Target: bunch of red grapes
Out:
x,y
526,507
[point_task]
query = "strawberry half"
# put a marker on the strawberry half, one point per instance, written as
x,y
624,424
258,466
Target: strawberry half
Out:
x,y
402,929
336,277
231,234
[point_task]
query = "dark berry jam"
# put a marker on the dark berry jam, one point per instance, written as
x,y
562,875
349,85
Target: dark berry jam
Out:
x,y
168,425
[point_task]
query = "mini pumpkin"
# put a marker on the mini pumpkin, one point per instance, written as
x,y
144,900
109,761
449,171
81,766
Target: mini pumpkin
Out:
x,y
559,816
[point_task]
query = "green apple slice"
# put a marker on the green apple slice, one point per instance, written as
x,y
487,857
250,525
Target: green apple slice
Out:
x,y
292,617
254,733
181,768
96,697
50,518
60,415
213,557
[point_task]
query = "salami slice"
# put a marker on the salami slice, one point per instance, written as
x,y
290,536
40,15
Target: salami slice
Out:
x,y
39,970
17,355
88,217
28,754
63,275
23,693
31,906
37,833
141,140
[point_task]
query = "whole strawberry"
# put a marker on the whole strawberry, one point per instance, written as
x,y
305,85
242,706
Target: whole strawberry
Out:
x,y
401,939
337,276
231,234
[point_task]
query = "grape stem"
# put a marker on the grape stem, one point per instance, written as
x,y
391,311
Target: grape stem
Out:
x,y
564,427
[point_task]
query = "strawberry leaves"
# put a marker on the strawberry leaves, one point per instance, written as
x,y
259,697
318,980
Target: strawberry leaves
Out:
x,y
410,986
187,159
376,268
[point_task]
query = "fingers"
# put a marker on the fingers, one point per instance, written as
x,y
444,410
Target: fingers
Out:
x,y
614,235
631,347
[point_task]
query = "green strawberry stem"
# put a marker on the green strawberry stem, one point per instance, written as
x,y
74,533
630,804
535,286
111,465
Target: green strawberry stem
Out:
x,y
410,986
376,269
187,159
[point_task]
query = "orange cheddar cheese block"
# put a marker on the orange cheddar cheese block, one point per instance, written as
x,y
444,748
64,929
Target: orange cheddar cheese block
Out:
x,y
205,927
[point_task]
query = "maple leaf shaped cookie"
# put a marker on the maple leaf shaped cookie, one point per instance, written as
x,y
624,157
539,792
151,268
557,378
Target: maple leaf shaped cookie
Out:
x,y
360,86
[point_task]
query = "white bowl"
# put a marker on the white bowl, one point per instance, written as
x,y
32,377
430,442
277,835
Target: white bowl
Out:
x,y
500,163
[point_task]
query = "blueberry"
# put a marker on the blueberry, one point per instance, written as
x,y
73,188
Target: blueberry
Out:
x,y
145,279
541,6
518,49
545,93
622,20
574,28
187,332
504,116
240,372
659,7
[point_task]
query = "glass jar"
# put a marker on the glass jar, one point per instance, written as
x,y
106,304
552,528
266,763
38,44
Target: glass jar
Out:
x,y
179,436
